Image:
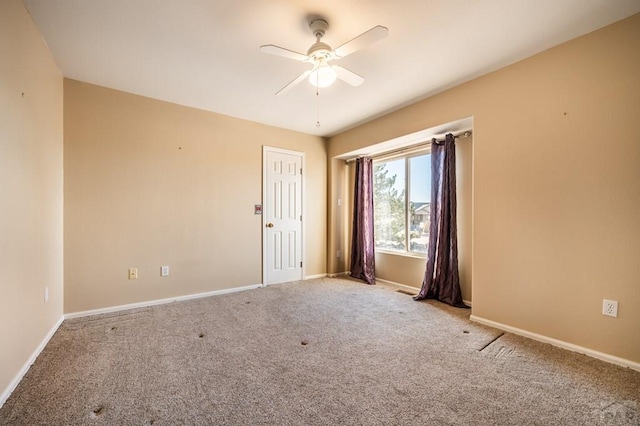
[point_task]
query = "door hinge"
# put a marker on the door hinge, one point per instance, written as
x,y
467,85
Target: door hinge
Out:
x,y
300,218
301,264
300,170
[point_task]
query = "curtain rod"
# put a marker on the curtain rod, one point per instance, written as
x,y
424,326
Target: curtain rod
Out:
x,y
464,134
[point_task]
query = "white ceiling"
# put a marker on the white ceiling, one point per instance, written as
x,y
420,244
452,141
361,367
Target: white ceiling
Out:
x,y
205,53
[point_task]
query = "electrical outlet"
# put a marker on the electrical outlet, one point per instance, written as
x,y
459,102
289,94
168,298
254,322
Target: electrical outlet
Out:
x,y
610,308
164,271
338,254
133,273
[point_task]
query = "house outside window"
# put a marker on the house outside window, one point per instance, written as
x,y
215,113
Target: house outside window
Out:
x,y
402,203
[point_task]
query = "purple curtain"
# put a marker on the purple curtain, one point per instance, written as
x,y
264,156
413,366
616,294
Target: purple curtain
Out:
x,y
362,246
441,279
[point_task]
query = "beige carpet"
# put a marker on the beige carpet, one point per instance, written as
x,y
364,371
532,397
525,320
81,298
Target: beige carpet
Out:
x,y
320,352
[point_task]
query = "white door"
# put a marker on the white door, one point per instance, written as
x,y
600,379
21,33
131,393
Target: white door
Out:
x,y
282,215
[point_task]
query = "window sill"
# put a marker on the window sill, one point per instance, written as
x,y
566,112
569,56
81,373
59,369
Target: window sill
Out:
x,y
403,254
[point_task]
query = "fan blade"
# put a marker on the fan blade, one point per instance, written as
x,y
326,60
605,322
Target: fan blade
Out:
x,y
348,76
281,51
363,40
298,79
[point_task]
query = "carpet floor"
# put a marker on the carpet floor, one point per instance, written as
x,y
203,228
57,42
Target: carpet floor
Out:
x,y
318,352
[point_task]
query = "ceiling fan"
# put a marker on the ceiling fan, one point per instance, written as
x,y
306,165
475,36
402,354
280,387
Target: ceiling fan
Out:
x,y
319,54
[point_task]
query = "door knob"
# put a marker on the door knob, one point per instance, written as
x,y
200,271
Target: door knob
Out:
x,y
269,225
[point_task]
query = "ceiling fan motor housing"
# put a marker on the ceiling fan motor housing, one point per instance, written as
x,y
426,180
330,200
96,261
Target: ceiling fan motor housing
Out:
x,y
319,50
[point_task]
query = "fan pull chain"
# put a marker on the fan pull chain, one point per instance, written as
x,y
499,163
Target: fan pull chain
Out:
x,y
318,97
317,107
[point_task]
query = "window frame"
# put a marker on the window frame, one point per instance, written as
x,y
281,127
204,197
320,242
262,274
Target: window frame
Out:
x,y
406,156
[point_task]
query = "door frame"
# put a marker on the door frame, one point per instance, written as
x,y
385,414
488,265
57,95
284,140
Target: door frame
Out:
x,y
265,150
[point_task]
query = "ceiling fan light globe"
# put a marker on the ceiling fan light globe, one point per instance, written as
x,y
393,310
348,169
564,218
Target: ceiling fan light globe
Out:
x,y
322,76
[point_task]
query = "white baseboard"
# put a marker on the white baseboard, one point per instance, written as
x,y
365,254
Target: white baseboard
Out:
x,y
559,343
408,287
159,301
313,277
12,386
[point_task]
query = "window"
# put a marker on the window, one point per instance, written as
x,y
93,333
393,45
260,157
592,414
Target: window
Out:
x,y
401,222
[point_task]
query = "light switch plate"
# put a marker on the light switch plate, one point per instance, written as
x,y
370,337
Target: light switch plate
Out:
x,y
164,271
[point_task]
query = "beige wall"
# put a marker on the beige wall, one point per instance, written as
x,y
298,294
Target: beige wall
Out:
x,y
556,193
31,191
149,183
